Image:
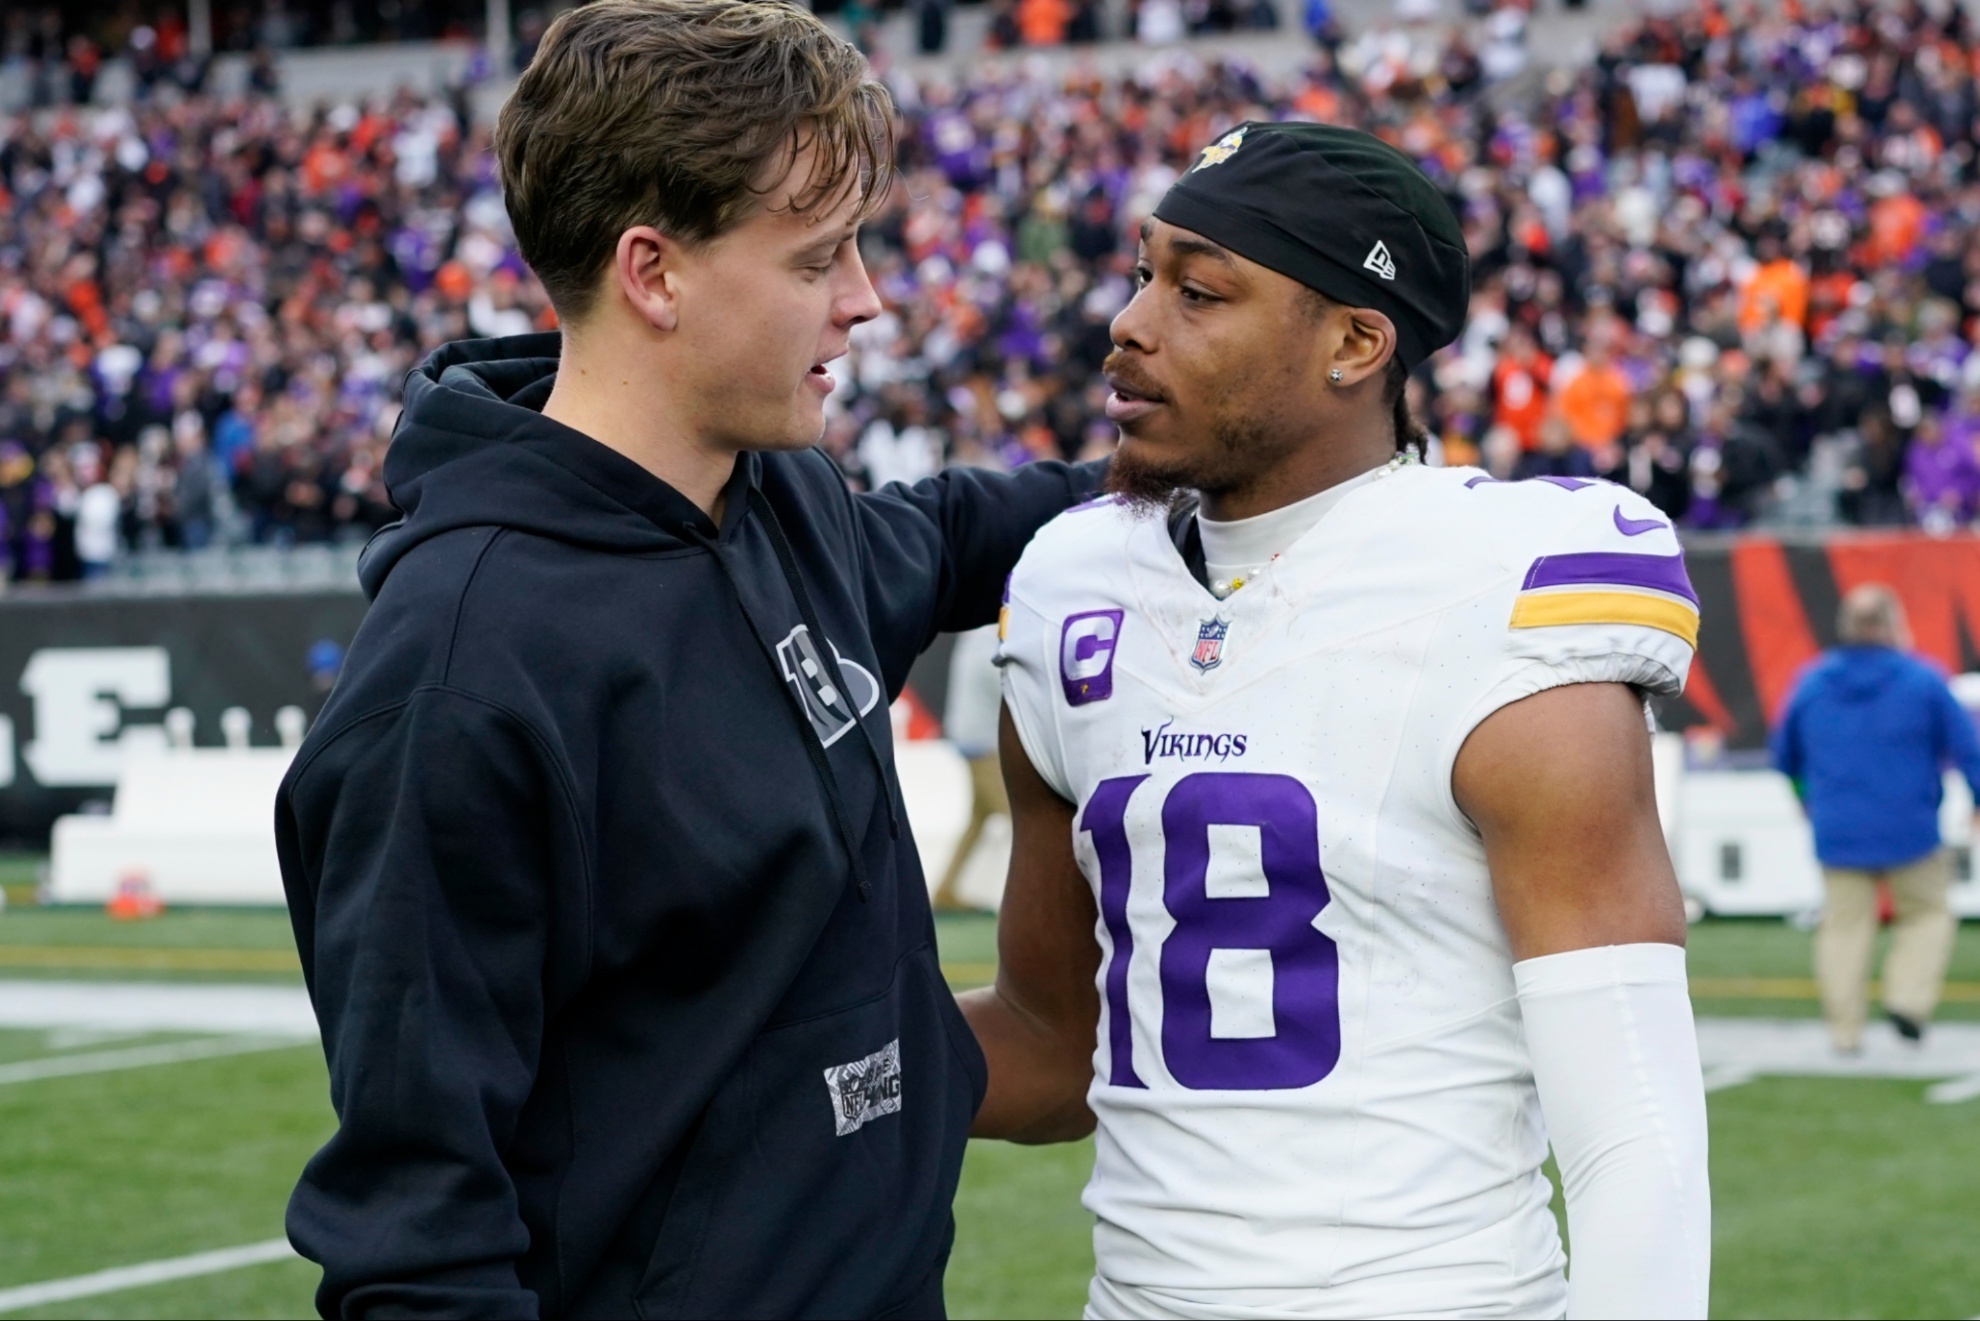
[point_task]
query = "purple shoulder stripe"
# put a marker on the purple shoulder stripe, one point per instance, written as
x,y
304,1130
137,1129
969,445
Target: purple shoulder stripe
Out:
x,y
1662,573
1565,483
1094,503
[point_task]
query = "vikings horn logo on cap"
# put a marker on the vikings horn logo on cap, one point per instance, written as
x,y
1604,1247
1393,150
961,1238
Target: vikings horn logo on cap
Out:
x,y
1222,149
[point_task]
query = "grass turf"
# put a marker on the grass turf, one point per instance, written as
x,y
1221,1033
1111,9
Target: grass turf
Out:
x,y
1843,1198
113,1169
1768,950
197,944
178,928
1838,1198
20,875
276,1290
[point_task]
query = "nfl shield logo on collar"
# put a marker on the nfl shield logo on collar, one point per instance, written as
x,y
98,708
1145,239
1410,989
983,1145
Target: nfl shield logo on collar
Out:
x,y
1209,652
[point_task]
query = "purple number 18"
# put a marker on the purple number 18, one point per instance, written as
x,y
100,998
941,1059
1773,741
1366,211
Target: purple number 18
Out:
x,y
1306,1041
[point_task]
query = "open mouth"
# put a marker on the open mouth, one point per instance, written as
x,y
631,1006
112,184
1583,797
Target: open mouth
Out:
x,y
1130,398
819,376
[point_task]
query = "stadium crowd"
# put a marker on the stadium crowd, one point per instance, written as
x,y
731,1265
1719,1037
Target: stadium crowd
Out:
x,y
1733,262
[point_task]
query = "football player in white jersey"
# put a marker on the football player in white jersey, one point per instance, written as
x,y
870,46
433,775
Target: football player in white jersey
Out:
x,y
1338,889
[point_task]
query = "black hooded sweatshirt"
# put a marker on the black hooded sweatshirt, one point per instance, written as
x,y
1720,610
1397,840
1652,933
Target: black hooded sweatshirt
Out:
x,y
617,936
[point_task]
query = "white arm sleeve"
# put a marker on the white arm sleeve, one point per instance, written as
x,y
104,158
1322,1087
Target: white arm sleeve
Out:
x,y
1615,1059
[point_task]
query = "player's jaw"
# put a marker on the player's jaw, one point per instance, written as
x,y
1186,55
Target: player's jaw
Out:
x,y
763,387
791,370
1172,441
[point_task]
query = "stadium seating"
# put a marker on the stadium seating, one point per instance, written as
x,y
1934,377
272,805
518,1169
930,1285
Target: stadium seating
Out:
x,y
1755,269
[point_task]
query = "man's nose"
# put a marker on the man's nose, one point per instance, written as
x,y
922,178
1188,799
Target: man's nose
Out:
x,y
860,301
1129,328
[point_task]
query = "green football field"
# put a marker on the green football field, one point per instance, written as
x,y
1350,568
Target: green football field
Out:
x,y
1847,1198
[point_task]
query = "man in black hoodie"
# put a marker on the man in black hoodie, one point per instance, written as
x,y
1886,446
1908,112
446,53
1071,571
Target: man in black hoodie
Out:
x,y
619,942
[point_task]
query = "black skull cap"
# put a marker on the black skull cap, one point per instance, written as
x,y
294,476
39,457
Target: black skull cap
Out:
x,y
1340,211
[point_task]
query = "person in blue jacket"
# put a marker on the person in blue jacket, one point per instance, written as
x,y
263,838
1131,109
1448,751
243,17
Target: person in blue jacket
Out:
x,y
596,856
1867,736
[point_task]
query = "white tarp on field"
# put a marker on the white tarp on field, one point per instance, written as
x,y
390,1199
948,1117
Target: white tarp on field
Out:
x,y
132,1007
1737,1050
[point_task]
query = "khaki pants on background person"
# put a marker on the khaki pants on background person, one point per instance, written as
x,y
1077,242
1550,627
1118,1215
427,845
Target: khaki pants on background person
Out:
x,y
986,799
1921,943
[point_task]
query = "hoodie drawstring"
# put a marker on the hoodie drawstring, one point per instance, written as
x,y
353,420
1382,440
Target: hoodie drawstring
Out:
x,y
788,559
807,733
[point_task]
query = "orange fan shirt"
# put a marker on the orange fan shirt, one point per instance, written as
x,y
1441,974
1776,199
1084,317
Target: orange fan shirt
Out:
x,y
1595,403
1043,22
1519,396
1779,285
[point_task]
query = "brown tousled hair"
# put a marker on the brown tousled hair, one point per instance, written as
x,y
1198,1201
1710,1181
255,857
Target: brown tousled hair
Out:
x,y
682,115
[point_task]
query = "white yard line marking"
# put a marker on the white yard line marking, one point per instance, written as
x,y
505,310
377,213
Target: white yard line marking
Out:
x,y
1718,1077
138,1057
150,1272
75,1038
1954,1090
1738,1050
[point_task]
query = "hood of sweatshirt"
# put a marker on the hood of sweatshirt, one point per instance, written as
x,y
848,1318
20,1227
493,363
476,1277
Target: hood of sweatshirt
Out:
x,y
1862,673
473,449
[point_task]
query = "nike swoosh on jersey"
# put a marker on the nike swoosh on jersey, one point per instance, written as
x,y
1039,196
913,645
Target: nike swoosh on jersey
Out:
x,y
1636,527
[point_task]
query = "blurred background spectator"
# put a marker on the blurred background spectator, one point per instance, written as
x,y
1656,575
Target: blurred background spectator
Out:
x,y
1867,736
1730,261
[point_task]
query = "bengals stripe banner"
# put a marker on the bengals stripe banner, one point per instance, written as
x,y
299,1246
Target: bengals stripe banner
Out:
x,y
1768,607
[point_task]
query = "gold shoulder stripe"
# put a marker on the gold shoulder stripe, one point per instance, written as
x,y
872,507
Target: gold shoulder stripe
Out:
x,y
1548,610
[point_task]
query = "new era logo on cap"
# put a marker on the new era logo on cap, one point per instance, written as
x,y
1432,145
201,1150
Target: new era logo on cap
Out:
x,y
1380,262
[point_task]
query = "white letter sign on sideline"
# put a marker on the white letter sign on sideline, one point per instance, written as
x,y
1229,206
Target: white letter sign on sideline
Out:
x,y
79,698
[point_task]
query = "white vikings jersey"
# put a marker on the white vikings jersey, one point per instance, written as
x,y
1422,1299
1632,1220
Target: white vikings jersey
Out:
x,y
1310,1079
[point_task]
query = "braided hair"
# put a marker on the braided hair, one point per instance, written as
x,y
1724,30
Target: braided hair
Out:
x,y
1410,438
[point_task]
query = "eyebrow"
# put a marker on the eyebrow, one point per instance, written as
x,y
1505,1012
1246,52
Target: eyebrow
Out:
x,y
830,243
1201,248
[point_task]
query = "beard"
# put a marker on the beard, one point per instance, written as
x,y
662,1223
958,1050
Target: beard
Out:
x,y
1239,451
1246,436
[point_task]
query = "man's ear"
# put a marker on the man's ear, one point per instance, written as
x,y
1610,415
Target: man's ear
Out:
x,y
1368,341
646,266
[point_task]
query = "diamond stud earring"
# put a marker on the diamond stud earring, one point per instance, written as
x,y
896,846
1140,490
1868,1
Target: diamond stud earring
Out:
x,y
1335,376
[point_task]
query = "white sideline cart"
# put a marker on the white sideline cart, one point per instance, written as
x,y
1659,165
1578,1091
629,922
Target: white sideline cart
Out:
x,y
1742,846
197,825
